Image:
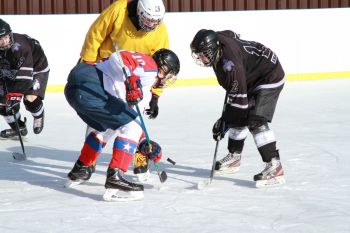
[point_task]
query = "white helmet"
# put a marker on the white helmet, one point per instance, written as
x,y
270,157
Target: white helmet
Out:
x,y
150,13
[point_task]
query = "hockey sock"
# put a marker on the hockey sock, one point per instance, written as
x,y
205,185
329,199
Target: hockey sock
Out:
x,y
36,108
123,153
91,149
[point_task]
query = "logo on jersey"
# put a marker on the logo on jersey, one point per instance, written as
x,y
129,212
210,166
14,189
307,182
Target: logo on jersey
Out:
x,y
15,47
228,65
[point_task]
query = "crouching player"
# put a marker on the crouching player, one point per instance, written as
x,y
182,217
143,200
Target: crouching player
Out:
x,y
104,99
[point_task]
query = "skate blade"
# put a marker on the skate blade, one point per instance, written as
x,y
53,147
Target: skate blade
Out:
x,y
226,171
277,181
122,196
203,184
72,183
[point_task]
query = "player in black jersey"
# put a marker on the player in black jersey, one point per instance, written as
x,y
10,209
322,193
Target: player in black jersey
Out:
x,y
253,78
23,69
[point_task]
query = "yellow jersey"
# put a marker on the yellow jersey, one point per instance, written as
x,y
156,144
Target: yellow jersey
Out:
x,y
113,26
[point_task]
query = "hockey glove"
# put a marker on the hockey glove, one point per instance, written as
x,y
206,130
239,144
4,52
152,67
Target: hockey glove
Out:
x,y
133,90
219,129
154,154
9,74
12,100
153,110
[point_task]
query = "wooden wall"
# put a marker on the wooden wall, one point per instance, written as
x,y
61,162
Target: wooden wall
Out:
x,y
96,6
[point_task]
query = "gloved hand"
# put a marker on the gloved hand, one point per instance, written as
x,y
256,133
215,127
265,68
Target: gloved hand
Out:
x,y
12,100
154,154
9,74
153,109
133,90
219,129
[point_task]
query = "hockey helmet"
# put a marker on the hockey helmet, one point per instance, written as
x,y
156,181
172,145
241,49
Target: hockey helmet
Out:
x,y
205,47
5,30
168,61
150,13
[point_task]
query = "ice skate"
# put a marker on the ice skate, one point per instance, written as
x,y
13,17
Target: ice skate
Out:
x,y
272,175
38,124
12,132
119,189
79,174
141,168
228,165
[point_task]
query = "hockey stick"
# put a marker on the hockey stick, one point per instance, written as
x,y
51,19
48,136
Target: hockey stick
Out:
x,y
205,183
16,155
162,175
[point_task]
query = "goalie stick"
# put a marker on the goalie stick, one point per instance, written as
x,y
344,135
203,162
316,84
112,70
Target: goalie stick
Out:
x,y
161,174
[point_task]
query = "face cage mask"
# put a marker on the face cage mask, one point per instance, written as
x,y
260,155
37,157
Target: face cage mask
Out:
x,y
10,43
208,54
144,21
168,79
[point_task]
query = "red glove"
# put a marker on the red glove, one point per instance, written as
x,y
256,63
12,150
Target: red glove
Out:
x,y
154,154
13,99
133,90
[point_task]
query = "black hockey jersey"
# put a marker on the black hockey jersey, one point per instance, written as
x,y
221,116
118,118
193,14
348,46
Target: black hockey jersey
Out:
x,y
244,68
25,58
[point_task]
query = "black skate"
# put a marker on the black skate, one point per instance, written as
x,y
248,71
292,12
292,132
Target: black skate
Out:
x,y
79,174
12,133
38,124
119,189
272,175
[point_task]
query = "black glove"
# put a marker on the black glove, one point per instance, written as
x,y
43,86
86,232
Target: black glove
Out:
x,y
9,74
152,112
219,129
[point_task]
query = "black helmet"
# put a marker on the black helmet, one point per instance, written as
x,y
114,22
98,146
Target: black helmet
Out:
x,y
205,43
168,58
5,29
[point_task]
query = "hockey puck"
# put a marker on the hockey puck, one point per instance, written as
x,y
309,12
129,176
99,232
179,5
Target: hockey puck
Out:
x,y
171,161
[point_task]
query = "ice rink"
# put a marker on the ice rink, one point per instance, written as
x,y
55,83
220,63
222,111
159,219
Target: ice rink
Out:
x,y
312,128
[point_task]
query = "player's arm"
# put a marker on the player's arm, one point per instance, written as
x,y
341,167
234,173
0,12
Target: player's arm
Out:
x,y
236,109
99,31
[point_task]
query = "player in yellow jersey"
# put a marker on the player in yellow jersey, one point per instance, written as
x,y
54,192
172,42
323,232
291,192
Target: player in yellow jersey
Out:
x,y
135,25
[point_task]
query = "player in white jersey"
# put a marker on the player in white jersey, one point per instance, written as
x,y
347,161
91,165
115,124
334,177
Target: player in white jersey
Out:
x,y
104,99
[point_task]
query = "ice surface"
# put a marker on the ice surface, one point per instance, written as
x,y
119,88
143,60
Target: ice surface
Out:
x,y
312,127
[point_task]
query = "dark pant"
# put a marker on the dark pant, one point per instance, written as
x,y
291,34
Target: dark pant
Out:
x,y
98,109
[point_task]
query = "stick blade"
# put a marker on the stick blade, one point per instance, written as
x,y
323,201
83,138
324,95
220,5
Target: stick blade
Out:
x,y
163,176
19,156
203,184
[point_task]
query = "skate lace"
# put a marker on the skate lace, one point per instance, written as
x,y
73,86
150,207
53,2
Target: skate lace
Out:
x,y
229,157
271,167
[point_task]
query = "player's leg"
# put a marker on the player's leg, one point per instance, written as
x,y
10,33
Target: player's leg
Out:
x,y
33,101
118,187
231,162
265,104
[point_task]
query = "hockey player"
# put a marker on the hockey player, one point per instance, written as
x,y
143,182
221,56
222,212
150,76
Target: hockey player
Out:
x,y
253,78
131,25
104,99
23,69
135,25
